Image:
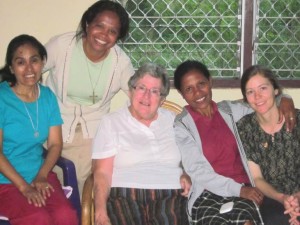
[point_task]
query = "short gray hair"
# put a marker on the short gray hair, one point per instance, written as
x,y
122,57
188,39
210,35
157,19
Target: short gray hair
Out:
x,y
155,71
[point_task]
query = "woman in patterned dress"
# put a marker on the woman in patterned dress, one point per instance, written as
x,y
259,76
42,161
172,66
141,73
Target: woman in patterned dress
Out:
x,y
272,152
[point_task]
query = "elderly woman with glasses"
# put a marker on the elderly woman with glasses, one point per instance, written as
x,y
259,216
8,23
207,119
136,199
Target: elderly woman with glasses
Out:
x,y
136,162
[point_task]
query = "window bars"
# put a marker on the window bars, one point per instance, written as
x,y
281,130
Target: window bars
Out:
x,y
170,31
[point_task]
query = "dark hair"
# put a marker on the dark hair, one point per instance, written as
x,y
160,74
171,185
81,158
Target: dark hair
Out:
x,y
155,71
15,43
100,6
186,67
263,71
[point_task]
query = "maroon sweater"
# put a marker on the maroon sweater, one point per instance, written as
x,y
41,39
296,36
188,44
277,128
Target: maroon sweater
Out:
x,y
219,145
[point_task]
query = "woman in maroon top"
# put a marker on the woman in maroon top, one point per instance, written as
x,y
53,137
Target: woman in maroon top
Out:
x,y
211,152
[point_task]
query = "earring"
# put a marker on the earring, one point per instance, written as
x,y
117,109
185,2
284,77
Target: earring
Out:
x,y
11,70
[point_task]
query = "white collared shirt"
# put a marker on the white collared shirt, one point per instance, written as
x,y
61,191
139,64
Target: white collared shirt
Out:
x,y
145,157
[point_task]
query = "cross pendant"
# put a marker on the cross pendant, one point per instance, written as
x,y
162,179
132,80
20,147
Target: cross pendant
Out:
x,y
93,97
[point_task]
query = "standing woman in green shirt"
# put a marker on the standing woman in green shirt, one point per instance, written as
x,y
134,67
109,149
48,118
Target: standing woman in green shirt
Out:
x,y
86,69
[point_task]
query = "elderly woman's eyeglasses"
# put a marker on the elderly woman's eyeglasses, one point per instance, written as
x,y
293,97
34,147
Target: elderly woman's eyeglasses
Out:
x,y
141,89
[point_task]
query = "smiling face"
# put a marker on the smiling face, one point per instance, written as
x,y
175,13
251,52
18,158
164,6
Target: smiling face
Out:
x,y
144,101
260,94
195,88
102,33
27,65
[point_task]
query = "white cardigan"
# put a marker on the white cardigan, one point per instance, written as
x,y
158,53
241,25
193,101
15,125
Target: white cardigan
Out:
x,y
59,49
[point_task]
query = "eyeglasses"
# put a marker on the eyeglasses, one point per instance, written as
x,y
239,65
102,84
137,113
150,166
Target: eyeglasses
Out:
x,y
141,89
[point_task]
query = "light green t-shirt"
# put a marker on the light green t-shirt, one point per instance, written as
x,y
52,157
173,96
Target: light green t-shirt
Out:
x,y
87,80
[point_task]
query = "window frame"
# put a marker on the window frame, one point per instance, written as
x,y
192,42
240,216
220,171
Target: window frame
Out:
x,y
246,58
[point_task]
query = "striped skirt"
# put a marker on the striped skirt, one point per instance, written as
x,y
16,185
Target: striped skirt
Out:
x,y
129,206
206,211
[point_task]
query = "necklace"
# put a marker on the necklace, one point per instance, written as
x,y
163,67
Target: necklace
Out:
x,y
94,96
35,128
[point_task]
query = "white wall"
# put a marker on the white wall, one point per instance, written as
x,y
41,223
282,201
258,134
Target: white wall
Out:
x,y
46,18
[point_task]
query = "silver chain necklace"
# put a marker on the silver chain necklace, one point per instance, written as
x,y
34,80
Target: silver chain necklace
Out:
x,y
35,128
94,96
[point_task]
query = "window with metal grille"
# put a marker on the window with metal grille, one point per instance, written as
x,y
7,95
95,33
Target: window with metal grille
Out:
x,y
277,36
216,32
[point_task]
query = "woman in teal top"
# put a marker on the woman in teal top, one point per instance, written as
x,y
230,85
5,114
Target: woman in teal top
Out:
x,y
30,192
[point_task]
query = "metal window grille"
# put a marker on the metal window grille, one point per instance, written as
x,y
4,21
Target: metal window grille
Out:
x,y
169,32
277,36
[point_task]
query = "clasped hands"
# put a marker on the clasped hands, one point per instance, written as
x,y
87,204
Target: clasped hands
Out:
x,y
291,205
37,192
